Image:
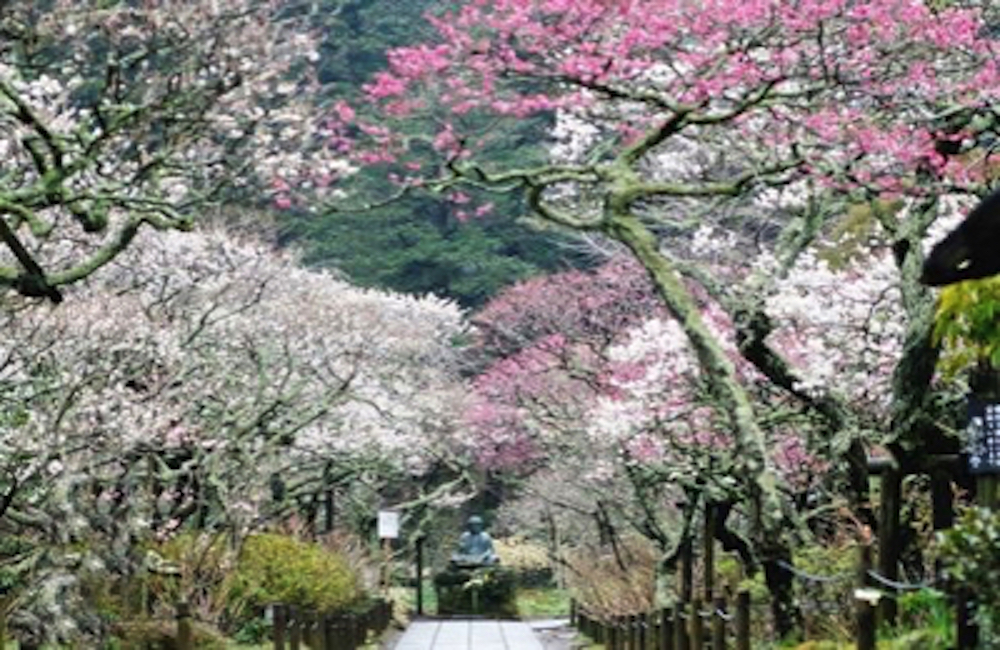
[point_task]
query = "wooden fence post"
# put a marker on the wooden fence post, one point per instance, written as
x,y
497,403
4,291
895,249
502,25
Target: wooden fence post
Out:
x,y
317,641
294,628
680,628
719,624
708,554
323,629
865,609
185,633
420,574
686,571
338,637
341,633
966,632
666,631
386,615
631,622
697,626
743,620
4,603
358,630
643,624
889,535
280,622
307,631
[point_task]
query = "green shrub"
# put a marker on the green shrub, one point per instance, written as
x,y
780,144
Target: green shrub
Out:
x,y
279,569
192,566
931,616
827,606
971,555
967,327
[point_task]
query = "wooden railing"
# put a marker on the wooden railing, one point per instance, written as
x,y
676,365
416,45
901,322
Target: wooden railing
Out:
x,y
697,625
682,627
331,631
294,628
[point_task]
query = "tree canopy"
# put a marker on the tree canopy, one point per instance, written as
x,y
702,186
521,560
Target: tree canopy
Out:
x,y
756,124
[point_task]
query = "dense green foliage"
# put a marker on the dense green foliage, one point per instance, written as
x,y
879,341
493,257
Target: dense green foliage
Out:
x,y
415,247
357,33
928,618
966,324
971,553
418,244
280,569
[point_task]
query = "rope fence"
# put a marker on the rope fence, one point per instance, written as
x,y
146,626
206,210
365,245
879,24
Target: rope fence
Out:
x,y
901,586
811,577
718,624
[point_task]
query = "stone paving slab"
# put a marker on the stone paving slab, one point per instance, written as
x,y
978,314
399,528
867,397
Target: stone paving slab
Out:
x,y
468,635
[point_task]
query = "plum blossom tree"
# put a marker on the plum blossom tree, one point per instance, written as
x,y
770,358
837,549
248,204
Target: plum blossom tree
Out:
x,y
203,381
698,116
115,116
540,349
598,387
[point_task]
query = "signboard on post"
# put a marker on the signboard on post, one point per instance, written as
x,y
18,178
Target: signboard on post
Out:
x,y
388,530
984,437
388,524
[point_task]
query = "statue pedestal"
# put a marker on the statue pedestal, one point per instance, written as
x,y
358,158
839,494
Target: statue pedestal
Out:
x,y
476,591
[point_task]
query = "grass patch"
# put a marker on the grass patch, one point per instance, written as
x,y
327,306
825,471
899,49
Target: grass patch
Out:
x,y
542,602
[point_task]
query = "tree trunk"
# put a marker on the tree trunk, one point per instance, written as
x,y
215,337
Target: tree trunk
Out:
x,y
776,557
751,449
752,460
889,537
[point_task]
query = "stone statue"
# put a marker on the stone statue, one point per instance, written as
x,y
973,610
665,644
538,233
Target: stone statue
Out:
x,y
474,583
475,546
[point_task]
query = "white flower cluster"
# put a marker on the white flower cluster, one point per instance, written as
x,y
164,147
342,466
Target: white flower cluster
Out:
x,y
199,359
842,329
573,137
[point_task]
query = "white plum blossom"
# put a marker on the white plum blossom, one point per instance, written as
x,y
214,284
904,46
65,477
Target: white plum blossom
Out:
x,y
194,374
841,329
146,120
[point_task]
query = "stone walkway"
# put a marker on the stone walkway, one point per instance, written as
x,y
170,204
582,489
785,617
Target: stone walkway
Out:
x,y
468,635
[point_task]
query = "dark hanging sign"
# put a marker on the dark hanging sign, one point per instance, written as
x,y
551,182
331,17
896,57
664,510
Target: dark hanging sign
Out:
x,y
984,437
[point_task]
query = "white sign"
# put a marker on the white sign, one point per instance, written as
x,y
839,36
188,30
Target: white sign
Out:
x,y
388,524
867,594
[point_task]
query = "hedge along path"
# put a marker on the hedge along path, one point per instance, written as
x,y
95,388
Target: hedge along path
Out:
x,y
468,635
